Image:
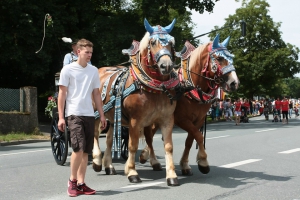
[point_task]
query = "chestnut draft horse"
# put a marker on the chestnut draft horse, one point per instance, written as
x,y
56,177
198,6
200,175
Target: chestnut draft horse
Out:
x,y
150,101
207,67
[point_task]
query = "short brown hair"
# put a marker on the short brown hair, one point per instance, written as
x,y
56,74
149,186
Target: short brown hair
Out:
x,y
84,43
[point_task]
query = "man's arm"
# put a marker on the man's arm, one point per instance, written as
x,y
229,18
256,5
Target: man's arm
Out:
x,y
61,106
99,106
67,59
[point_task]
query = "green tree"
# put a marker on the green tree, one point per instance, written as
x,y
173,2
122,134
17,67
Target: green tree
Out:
x,y
293,87
262,58
110,24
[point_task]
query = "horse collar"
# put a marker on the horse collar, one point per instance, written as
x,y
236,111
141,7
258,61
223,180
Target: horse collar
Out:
x,y
139,74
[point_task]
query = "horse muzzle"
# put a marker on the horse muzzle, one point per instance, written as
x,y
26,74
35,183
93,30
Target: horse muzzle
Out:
x,y
233,86
164,61
165,68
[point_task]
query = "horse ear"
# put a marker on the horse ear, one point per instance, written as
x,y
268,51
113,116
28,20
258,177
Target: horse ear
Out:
x,y
170,27
148,26
226,41
216,42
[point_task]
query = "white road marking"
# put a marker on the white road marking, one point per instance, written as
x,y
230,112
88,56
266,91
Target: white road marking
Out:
x,y
240,163
218,137
290,151
265,130
24,152
144,185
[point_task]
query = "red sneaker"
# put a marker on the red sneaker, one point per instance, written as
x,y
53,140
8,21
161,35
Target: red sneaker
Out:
x,y
72,188
84,189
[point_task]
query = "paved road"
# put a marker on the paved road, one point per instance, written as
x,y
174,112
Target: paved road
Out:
x,y
256,160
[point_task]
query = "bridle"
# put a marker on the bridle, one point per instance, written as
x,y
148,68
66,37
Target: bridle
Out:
x,y
155,58
216,68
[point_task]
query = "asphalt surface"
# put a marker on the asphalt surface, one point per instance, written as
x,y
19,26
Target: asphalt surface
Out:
x,y
256,160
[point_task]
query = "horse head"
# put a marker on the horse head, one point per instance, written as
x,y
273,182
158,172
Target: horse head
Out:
x,y
157,47
222,65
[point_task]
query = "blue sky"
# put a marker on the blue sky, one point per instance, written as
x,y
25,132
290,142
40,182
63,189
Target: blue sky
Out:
x,y
284,11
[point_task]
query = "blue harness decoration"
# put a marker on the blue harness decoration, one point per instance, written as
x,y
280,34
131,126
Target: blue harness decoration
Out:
x,y
117,95
220,49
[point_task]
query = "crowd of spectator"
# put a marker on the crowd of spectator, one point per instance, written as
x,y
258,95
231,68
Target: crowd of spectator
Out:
x,y
225,109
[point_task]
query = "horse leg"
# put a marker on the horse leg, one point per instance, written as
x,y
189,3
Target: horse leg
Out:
x,y
201,158
193,133
133,143
148,151
186,170
107,157
97,162
168,144
145,154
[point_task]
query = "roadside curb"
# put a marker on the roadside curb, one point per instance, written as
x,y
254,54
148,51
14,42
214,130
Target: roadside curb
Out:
x,y
17,142
21,142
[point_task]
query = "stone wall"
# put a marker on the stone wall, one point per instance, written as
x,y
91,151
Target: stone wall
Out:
x,y
27,119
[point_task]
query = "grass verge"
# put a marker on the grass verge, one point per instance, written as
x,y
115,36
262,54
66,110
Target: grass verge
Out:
x,y
17,136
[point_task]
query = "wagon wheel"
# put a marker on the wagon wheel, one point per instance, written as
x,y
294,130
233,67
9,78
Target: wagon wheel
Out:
x,y
59,140
124,145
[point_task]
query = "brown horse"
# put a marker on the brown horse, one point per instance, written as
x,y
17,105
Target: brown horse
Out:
x,y
151,71
207,67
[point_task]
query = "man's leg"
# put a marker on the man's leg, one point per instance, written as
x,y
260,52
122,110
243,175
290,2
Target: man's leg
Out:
x,y
76,158
279,115
236,118
82,188
82,168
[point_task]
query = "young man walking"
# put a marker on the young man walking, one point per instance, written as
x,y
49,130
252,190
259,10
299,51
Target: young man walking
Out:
x,y
79,82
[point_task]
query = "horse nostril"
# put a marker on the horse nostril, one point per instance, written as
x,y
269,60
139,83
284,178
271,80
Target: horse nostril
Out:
x,y
232,84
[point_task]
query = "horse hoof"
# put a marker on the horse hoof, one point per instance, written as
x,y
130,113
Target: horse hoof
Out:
x,y
203,170
157,167
186,172
142,161
97,168
110,171
172,182
134,179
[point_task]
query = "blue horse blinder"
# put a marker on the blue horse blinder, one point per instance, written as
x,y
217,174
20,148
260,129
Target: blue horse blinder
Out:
x,y
161,34
221,50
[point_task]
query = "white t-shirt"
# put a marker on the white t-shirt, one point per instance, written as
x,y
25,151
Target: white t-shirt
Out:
x,y
80,83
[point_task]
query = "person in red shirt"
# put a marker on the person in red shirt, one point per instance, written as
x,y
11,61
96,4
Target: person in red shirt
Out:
x,y
278,107
285,109
237,111
247,105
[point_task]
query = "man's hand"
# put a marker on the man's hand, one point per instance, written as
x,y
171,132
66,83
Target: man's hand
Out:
x,y
103,122
61,125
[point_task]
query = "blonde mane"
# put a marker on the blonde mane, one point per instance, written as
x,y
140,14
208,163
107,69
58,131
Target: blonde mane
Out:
x,y
144,42
195,54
